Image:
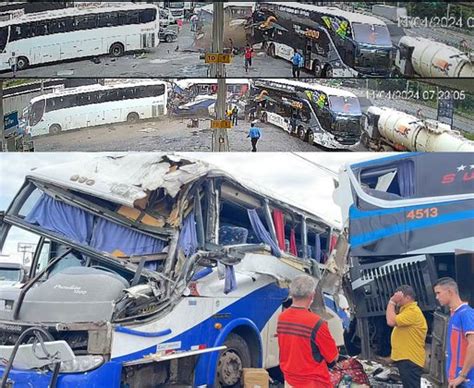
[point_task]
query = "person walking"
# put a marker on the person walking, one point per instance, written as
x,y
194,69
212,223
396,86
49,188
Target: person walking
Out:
x,y
235,116
298,62
460,334
255,134
306,345
408,335
180,25
248,57
13,62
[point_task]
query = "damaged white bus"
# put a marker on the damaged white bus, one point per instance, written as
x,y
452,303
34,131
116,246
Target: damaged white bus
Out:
x,y
152,269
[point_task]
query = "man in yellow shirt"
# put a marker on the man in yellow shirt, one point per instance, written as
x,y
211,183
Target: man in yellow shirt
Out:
x,y
408,335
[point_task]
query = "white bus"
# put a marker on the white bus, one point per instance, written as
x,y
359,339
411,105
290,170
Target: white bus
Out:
x,y
93,105
78,32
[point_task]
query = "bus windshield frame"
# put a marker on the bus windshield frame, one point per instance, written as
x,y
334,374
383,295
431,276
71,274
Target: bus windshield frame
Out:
x,y
340,105
362,33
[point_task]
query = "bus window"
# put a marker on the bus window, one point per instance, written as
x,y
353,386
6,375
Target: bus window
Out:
x,y
35,113
3,38
345,105
371,34
147,16
85,22
58,26
108,19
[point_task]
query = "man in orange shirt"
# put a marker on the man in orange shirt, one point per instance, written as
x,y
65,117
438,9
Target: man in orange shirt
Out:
x,y
306,345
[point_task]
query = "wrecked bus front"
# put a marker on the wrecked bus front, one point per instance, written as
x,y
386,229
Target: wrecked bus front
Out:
x,y
148,264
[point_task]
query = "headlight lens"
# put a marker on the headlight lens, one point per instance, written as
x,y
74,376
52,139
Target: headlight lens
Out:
x,y
81,364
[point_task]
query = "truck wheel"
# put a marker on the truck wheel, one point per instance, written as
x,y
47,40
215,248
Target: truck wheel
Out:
x,y
117,50
133,118
22,63
55,129
232,361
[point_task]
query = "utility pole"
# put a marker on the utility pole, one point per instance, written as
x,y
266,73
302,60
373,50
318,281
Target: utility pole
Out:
x,y
220,138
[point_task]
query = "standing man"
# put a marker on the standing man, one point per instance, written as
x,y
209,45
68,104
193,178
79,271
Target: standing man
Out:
x,y
297,61
460,336
306,345
235,116
13,64
254,134
408,335
248,57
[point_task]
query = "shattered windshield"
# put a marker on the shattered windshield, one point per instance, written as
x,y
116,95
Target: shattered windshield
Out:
x,y
377,35
345,105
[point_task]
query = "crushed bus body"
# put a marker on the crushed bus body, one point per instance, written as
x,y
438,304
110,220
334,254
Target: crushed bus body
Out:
x,y
153,269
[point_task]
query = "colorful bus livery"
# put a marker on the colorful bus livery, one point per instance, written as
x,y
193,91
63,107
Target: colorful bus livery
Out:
x,y
196,263
78,32
334,43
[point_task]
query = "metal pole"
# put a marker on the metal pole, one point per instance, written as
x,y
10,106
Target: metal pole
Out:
x,y
2,120
220,141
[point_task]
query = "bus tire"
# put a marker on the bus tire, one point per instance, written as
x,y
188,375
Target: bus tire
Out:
x,y
271,51
22,63
302,134
328,72
133,118
231,362
316,68
55,129
117,50
311,137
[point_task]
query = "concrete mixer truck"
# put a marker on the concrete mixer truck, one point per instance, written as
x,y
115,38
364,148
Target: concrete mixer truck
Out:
x,y
385,129
426,58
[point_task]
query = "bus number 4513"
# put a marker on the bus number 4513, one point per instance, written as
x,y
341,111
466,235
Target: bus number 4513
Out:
x,y
423,213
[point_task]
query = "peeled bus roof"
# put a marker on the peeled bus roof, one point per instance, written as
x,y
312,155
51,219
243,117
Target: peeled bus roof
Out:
x,y
353,17
313,86
126,178
186,83
74,11
97,87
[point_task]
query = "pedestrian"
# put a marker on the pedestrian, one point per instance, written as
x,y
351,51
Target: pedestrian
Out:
x,y
306,345
235,116
180,25
255,134
13,62
298,62
460,334
194,20
408,335
231,46
248,57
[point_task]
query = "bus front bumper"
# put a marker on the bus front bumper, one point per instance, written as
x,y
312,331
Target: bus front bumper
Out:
x,y
107,375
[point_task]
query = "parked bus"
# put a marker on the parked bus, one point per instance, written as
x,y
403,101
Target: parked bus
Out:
x,y
333,42
196,263
318,114
92,105
410,220
78,32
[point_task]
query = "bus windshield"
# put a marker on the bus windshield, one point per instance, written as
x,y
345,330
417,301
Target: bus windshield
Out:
x,y
3,37
10,274
176,4
345,105
35,112
371,34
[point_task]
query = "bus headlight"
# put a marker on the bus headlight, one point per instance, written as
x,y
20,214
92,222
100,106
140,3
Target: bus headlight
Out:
x,y
81,364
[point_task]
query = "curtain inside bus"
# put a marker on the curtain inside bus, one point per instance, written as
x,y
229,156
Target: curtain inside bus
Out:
x,y
188,241
279,222
318,248
261,232
293,248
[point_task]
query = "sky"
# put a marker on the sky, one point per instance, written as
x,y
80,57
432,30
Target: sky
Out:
x,y
286,175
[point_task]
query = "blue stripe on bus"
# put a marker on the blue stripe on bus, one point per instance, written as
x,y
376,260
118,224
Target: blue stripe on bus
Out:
x,y
356,214
409,226
382,161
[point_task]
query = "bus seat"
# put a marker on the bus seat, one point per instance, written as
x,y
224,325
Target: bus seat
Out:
x,y
232,235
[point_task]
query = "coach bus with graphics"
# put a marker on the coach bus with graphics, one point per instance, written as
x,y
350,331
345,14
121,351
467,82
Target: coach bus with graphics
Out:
x,y
76,32
93,105
333,42
321,115
410,220
197,265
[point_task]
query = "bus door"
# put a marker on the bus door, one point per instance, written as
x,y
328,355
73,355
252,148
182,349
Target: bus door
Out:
x,y
307,53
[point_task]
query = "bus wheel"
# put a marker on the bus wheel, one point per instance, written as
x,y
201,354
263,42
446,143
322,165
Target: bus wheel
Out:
x,y
117,50
22,63
232,361
317,69
133,118
55,129
302,133
328,72
311,137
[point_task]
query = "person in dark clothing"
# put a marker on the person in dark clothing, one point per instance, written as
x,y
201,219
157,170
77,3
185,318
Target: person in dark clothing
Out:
x,y
254,134
235,115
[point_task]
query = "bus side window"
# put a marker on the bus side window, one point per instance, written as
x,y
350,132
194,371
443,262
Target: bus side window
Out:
x,y
148,16
109,19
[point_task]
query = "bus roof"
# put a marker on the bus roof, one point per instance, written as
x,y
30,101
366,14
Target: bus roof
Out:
x,y
97,87
186,83
312,86
74,11
352,17
126,178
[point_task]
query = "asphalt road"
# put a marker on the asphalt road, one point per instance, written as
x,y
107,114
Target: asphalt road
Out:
x,y
167,135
